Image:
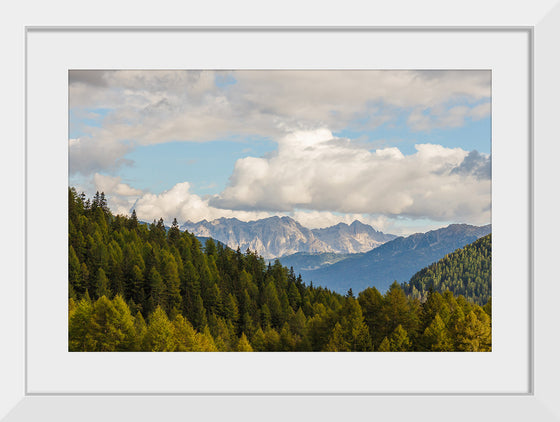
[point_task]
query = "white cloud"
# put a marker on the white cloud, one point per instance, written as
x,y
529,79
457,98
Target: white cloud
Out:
x,y
149,107
480,111
89,155
109,184
422,119
313,171
321,181
120,196
315,95
178,202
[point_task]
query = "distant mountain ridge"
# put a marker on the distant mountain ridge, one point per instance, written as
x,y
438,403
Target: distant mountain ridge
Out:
x,y
279,236
354,238
398,259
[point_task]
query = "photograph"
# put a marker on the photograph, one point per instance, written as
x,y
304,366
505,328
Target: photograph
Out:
x,y
280,210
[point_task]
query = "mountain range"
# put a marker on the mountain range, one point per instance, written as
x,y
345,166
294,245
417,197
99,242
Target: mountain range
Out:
x,y
398,259
342,256
280,236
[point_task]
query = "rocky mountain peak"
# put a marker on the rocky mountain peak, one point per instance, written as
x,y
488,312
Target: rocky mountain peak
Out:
x,y
279,236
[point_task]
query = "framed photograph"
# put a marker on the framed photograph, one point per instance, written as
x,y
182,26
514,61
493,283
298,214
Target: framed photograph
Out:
x,y
492,85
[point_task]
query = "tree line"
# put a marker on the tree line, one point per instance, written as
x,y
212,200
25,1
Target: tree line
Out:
x,y
138,287
466,271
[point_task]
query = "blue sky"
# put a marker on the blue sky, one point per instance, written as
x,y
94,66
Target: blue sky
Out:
x,y
390,148
158,167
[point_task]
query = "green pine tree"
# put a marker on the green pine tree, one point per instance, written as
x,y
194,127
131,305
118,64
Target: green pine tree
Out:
x,y
160,336
243,345
102,284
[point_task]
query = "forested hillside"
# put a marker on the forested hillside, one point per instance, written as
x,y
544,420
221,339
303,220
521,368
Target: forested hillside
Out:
x,y
398,259
134,287
467,272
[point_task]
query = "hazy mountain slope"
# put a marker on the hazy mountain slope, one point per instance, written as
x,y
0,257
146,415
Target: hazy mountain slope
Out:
x,y
397,260
303,261
466,271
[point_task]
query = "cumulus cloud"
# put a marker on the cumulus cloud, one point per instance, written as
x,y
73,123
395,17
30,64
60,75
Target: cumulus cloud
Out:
x,y
148,107
178,202
320,181
480,111
88,155
476,164
121,196
109,184
314,95
422,119
315,171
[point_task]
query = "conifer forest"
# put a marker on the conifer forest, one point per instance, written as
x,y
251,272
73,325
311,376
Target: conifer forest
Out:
x,y
147,287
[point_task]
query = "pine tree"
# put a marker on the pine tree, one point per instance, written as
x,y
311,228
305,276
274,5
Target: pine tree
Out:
x,y
385,345
294,296
140,329
74,272
287,340
137,292
265,316
488,307
223,333
399,340
172,283
80,330
103,202
133,221
271,340
124,325
474,335
102,284
337,341
273,304
71,307
436,338
258,340
247,325
86,284
198,313
157,288
455,324
185,335
231,309
243,345
103,324
160,336
214,300
371,302
210,247
355,331
396,310
113,326
205,341
174,233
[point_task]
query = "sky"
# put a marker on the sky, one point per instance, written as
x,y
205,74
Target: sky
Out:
x,y
405,151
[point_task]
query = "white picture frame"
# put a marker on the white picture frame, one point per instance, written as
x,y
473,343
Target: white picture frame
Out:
x,y
541,21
